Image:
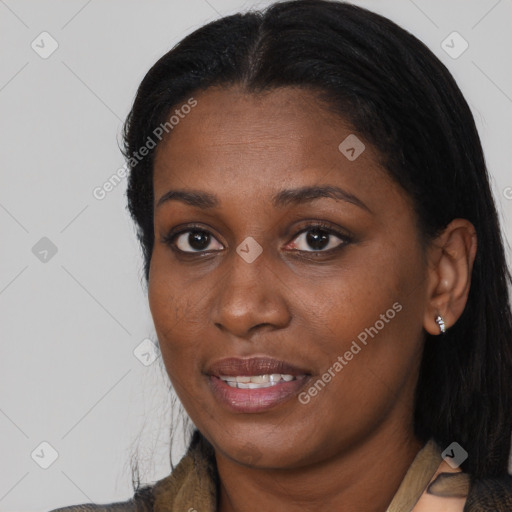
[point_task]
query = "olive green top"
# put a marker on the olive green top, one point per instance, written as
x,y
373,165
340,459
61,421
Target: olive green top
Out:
x,y
429,485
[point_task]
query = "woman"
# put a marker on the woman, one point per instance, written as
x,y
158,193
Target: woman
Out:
x,y
325,269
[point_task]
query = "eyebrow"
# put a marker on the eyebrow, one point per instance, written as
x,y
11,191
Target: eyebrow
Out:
x,y
207,200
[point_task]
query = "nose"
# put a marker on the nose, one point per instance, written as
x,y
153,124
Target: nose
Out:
x,y
252,297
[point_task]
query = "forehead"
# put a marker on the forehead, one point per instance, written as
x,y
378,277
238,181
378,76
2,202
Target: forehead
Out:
x,y
233,141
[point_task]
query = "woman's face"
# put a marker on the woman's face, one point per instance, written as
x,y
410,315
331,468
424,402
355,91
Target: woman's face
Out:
x,y
252,286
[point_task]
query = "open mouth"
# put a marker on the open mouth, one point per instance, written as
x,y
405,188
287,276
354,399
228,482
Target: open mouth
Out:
x,y
257,381
255,384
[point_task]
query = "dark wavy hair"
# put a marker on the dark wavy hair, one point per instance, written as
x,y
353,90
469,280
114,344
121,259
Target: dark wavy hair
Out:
x,y
401,99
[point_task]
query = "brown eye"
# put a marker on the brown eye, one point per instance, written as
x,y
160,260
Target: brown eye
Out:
x,y
319,239
194,240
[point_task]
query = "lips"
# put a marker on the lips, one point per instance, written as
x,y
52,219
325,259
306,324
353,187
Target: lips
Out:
x,y
254,384
253,366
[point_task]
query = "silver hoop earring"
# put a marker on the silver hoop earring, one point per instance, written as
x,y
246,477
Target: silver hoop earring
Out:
x,y
440,322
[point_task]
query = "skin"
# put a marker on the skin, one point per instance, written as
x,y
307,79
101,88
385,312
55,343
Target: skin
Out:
x,y
297,305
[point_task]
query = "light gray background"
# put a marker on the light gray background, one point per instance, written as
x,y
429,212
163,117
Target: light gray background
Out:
x,y
69,376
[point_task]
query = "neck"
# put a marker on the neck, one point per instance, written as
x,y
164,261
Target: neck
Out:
x,y
364,479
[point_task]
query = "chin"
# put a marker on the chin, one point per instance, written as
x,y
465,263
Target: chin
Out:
x,y
258,452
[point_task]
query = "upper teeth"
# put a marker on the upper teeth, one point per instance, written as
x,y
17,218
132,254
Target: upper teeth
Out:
x,y
256,381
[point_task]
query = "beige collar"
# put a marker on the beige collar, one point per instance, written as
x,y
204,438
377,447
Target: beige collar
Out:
x,y
431,485
191,486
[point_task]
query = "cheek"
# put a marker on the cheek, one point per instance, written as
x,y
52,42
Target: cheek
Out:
x,y
370,315
368,360
174,308
179,317
173,300
366,285
176,334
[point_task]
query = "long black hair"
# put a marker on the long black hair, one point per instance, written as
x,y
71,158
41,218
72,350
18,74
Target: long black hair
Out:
x,y
401,99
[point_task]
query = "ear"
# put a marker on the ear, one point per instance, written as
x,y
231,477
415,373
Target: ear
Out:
x,y
450,262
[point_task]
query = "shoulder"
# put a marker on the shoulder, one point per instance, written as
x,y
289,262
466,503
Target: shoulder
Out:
x,y
455,491
125,506
192,473
490,494
141,502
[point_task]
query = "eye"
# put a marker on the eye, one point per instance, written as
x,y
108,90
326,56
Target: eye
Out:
x,y
192,240
319,238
